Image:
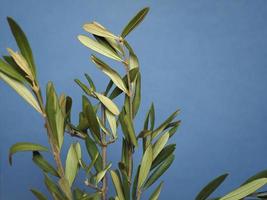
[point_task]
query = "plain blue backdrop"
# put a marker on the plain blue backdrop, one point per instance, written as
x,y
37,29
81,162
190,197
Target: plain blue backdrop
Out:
x,y
208,58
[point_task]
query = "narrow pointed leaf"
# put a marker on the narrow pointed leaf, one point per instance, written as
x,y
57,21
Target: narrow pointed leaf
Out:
x,y
157,131
112,74
91,117
22,43
137,95
100,175
137,19
24,146
145,166
38,194
7,69
93,151
262,174
21,62
109,104
97,29
117,183
54,114
211,187
22,91
165,153
90,81
245,190
112,122
43,164
156,193
71,165
95,46
159,171
159,145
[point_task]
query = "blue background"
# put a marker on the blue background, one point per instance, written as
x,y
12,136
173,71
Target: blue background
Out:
x,y
208,58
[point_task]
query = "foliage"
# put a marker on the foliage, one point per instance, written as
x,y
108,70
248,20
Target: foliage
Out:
x,y
99,123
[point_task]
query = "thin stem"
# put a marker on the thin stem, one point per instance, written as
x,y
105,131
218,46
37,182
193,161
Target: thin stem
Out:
x,y
87,183
104,156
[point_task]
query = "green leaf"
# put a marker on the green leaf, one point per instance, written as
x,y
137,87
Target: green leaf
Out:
x,y
116,92
159,171
22,91
145,166
22,43
54,114
262,174
90,81
127,127
43,164
156,193
54,189
211,187
112,74
7,69
134,188
38,194
162,127
137,95
97,29
71,167
21,62
91,117
117,183
245,190
150,117
93,152
24,146
137,19
165,153
133,61
100,175
159,145
95,46
112,122
109,104
84,87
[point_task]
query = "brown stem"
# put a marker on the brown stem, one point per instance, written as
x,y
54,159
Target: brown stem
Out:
x,y
138,197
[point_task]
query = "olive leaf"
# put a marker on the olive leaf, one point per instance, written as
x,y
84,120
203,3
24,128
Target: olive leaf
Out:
x,y
38,194
156,193
100,175
112,74
71,164
21,62
211,187
145,166
43,164
54,115
7,69
22,43
159,171
118,185
108,103
135,21
94,45
22,91
97,29
245,190
159,144
24,146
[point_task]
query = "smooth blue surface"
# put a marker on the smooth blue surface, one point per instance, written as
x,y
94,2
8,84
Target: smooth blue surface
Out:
x,y
208,58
